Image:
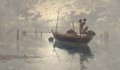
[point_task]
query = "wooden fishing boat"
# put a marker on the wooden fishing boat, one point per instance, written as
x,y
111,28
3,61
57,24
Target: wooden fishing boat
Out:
x,y
84,37
67,38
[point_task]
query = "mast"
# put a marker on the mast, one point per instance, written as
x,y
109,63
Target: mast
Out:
x,y
57,22
73,26
80,29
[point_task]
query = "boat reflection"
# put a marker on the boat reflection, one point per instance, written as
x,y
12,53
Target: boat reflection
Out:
x,y
84,52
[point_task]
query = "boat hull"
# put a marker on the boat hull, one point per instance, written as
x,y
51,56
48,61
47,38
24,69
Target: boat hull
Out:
x,y
71,40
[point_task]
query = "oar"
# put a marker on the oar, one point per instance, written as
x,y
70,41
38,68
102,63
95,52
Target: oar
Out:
x,y
56,53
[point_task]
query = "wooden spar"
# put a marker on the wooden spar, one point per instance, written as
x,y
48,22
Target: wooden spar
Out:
x,y
79,30
73,26
57,22
56,53
80,22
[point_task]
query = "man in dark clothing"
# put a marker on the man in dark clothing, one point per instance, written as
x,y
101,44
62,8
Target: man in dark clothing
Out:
x,y
82,24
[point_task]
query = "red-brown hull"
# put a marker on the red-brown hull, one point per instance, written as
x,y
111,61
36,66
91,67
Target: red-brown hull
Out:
x,y
75,39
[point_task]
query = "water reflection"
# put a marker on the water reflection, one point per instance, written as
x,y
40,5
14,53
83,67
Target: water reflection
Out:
x,y
84,52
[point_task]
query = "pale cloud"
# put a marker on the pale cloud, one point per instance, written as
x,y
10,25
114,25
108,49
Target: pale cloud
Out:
x,y
48,9
40,12
103,19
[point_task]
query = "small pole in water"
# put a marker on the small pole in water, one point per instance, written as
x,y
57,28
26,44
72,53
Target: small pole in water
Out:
x,y
2,47
35,32
18,41
24,33
41,33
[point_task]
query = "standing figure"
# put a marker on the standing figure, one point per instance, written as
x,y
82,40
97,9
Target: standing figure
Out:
x,y
35,33
82,25
84,31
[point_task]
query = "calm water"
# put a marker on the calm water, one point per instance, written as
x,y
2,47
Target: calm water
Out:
x,y
37,53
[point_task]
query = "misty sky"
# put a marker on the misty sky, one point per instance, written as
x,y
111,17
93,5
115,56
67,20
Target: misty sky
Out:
x,y
101,14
